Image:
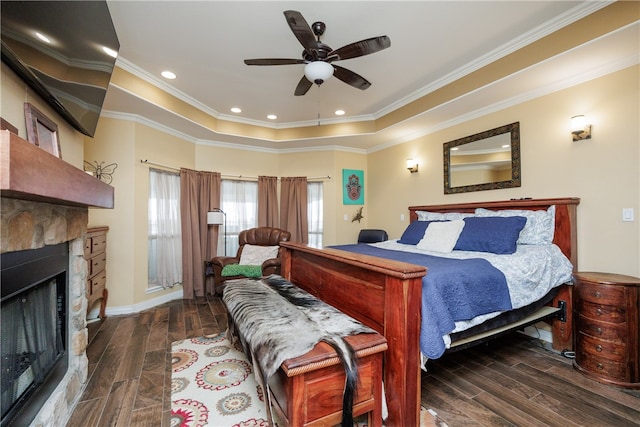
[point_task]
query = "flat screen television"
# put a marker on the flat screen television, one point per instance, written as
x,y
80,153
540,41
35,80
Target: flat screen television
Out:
x,y
57,48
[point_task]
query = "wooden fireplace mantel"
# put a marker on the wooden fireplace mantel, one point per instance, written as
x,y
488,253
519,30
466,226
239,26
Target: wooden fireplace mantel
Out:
x,y
28,172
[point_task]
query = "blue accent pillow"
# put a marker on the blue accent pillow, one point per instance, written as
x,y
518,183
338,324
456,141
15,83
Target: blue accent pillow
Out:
x,y
414,232
498,235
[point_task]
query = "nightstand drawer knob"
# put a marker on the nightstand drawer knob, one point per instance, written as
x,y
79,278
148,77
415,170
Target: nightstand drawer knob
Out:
x,y
600,366
599,311
599,348
599,331
597,294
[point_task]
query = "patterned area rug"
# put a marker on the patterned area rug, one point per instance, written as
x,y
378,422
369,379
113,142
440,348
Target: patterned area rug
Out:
x,y
212,384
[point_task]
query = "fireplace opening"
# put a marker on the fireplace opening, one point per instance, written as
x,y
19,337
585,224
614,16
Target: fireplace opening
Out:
x,y
33,345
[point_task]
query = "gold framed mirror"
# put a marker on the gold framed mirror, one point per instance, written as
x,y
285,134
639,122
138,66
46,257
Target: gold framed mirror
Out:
x,y
487,160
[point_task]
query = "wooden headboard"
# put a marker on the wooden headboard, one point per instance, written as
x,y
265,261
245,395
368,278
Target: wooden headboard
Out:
x,y
565,234
386,296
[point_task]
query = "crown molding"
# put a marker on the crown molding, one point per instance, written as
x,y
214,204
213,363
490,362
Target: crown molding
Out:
x,y
581,10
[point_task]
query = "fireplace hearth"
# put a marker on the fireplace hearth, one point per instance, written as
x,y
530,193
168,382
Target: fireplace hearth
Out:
x,y
33,344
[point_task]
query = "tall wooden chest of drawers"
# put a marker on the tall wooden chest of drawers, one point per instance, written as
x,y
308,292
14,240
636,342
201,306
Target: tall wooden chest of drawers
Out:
x,y
95,252
606,320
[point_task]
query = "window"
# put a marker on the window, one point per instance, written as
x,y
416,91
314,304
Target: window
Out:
x,y
240,205
315,213
164,235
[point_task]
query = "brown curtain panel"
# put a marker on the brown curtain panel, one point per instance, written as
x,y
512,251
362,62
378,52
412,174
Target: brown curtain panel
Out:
x,y
293,208
268,202
199,193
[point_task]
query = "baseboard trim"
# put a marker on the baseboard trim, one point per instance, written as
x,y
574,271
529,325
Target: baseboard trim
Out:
x,y
136,308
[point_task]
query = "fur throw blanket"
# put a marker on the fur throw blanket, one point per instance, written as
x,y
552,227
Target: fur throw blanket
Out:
x,y
275,321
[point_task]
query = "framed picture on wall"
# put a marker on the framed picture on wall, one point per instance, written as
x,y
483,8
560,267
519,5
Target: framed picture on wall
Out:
x,y
41,130
352,187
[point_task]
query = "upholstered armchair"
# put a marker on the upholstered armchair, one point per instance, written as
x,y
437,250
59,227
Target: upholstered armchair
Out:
x,y
258,255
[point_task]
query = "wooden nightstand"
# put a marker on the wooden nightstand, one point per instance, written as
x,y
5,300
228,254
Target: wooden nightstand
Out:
x,y
606,311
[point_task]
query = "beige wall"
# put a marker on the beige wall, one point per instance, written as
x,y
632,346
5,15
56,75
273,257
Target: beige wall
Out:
x,y
604,172
346,231
15,93
113,143
127,143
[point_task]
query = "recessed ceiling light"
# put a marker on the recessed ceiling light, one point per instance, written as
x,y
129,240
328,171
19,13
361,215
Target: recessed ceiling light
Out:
x,y
454,149
272,117
112,53
236,110
506,146
168,75
339,112
43,37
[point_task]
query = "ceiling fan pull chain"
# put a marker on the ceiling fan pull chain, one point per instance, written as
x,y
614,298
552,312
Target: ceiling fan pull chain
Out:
x,y
318,108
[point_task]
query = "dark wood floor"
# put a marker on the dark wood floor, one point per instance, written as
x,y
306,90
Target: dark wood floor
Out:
x,y
511,382
130,359
514,381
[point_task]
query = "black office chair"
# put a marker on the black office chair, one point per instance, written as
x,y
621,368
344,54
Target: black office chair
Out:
x,y
372,236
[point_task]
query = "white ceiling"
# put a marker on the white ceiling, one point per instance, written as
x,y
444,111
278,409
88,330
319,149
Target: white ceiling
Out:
x,y
432,43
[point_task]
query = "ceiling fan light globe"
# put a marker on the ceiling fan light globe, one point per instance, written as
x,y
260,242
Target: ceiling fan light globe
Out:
x,y
318,71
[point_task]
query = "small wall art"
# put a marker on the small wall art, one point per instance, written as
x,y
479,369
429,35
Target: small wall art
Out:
x,y
41,130
352,187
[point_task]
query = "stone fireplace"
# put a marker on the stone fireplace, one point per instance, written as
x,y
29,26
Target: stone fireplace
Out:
x,y
30,225
45,202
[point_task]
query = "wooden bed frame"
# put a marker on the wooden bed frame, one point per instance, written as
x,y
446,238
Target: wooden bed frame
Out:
x,y
386,296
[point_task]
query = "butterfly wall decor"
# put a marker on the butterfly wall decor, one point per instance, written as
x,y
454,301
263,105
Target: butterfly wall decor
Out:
x,y
103,173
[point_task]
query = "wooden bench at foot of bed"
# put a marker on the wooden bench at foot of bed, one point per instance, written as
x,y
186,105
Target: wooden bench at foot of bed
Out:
x,y
308,390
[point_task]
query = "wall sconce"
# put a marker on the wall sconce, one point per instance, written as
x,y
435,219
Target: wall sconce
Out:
x,y
412,165
218,217
579,128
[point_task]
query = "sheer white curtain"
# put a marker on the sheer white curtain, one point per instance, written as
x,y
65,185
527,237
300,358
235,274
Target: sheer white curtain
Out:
x,y
315,213
240,204
165,241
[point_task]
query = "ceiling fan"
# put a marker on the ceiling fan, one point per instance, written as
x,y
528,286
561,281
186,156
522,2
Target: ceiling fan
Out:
x,y
318,57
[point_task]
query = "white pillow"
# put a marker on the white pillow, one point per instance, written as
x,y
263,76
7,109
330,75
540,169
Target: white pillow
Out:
x,y
441,236
256,255
539,228
437,216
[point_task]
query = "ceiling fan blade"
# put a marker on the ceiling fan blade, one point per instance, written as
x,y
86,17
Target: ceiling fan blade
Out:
x,y
350,78
303,86
273,61
361,48
302,31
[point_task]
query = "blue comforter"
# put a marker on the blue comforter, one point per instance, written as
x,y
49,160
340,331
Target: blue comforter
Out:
x,y
452,290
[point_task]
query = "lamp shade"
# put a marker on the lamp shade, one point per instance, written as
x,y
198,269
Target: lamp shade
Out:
x,y
318,71
215,218
578,123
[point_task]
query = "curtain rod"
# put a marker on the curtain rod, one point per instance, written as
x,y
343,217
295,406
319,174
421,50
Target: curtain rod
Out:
x,y
147,162
255,178
252,178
